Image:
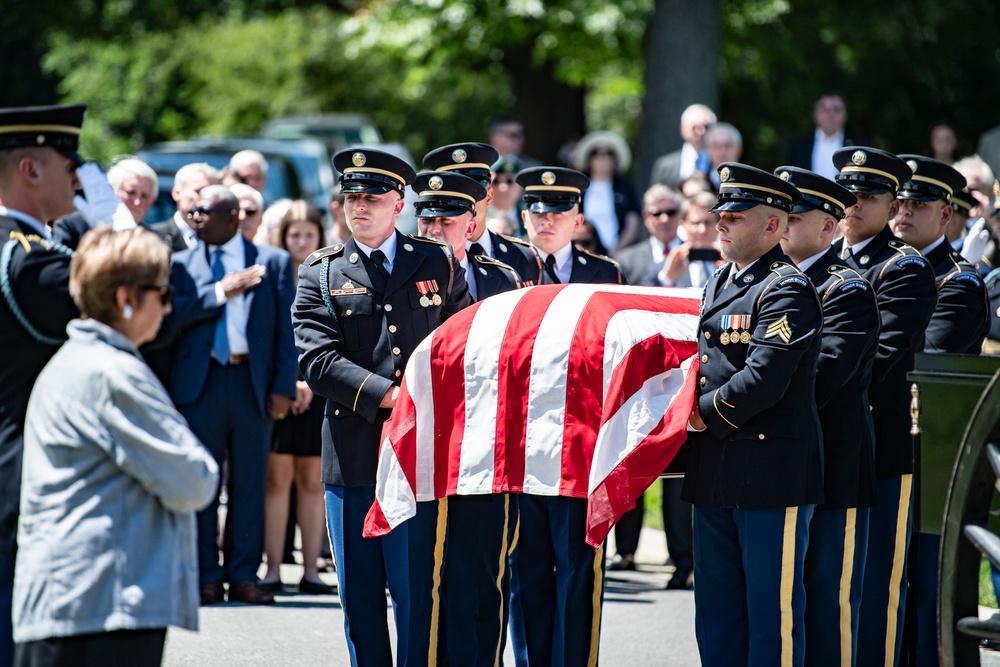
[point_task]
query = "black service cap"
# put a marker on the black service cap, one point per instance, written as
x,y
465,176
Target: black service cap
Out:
x,y
372,171
552,189
742,187
930,180
55,126
869,170
446,194
963,202
818,192
469,159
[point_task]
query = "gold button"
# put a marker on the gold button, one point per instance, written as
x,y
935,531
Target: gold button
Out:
x,y
395,351
388,307
704,358
703,381
760,437
398,373
336,412
347,312
708,335
392,328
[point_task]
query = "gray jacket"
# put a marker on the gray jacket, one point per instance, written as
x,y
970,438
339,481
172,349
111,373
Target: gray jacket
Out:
x,y
111,479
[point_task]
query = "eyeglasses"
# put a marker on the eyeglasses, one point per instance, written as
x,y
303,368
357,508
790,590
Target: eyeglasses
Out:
x,y
207,211
602,151
667,211
250,211
166,292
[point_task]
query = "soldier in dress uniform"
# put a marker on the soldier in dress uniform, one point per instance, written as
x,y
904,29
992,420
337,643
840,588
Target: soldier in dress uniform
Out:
x,y
552,197
958,325
838,532
557,579
38,162
904,289
361,309
481,528
755,469
474,160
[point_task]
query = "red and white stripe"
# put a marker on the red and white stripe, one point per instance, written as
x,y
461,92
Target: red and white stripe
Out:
x,y
572,390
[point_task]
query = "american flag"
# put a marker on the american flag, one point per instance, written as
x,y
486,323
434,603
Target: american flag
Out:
x,y
572,390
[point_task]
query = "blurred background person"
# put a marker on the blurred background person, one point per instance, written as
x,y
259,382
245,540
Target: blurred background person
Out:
x,y
610,202
815,152
725,144
112,476
691,263
297,442
585,237
340,231
674,168
943,143
251,168
267,233
188,181
661,213
136,185
504,214
506,135
251,209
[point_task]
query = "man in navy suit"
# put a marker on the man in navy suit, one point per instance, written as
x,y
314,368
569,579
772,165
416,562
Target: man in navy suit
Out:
x,y
815,152
234,372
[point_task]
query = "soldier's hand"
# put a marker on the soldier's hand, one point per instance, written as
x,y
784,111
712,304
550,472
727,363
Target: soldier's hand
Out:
x,y
278,406
238,282
697,423
389,400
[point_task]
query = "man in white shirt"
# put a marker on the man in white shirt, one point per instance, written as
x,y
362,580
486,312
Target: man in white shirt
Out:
x,y
674,168
815,152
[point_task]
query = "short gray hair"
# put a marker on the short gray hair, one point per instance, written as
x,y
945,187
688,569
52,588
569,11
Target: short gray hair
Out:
x,y
244,190
127,164
719,128
694,109
188,172
248,156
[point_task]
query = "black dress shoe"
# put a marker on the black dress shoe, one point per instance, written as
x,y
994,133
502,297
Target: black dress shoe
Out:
x,y
682,580
315,587
622,562
269,586
211,592
249,592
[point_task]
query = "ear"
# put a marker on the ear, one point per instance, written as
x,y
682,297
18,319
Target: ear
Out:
x,y
27,167
773,224
893,209
398,206
489,195
577,221
470,227
829,225
946,214
122,297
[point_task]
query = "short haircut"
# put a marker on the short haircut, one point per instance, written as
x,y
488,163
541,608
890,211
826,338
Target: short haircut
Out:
x,y
244,190
300,211
188,172
219,193
697,109
248,156
656,192
724,128
703,199
10,157
131,165
497,122
106,260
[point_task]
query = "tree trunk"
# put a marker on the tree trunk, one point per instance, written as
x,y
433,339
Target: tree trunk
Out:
x,y
551,111
682,68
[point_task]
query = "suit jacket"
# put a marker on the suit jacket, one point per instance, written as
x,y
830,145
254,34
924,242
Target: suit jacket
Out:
x,y
800,149
667,170
591,268
171,233
637,263
355,342
762,446
847,351
493,276
70,229
961,318
39,280
905,292
520,255
268,330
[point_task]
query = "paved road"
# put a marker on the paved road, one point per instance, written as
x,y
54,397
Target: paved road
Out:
x,y
643,624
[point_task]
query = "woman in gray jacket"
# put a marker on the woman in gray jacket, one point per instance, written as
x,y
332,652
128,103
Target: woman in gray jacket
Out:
x,y
112,476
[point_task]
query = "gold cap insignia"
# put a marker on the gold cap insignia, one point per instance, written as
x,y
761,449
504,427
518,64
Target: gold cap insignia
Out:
x,y
548,178
40,139
458,155
724,174
912,164
435,183
785,176
358,159
859,158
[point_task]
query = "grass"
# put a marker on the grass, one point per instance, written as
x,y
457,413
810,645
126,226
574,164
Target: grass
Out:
x,y
987,596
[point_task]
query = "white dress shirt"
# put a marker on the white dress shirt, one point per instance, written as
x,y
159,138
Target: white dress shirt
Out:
x,y
190,236
388,247
689,159
823,149
564,261
809,261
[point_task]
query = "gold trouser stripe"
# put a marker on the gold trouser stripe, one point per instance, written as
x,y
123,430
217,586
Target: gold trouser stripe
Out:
x,y
595,625
898,558
517,535
500,575
787,584
442,530
846,576
354,408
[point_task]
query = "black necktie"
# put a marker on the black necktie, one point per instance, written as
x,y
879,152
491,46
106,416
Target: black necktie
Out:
x,y
475,250
378,259
846,252
550,268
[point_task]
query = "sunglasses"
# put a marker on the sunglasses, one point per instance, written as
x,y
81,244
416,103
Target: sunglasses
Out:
x,y
166,292
602,151
207,211
250,211
667,211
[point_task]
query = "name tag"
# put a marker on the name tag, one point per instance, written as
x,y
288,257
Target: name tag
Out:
x,y
348,292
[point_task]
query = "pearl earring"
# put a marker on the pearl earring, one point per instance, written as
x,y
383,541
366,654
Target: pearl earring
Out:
x,y
128,311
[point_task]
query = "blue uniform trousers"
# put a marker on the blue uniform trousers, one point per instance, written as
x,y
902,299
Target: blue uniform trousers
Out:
x,y
834,571
227,421
410,560
749,595
557,585
883,595
476,584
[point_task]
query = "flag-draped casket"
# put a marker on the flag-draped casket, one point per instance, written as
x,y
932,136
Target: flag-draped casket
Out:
x,y
572,390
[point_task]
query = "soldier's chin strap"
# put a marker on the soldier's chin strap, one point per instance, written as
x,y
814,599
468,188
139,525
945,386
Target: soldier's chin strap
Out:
x,y
7,289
